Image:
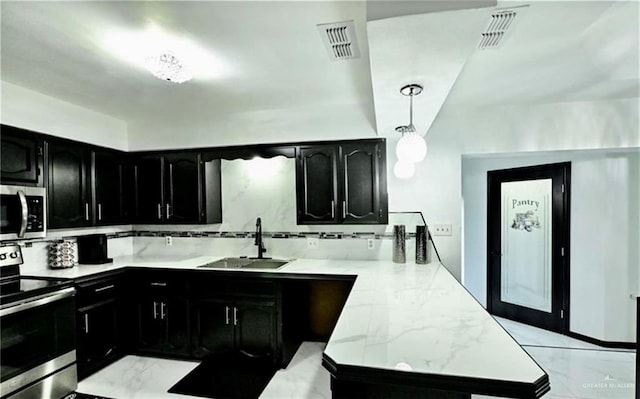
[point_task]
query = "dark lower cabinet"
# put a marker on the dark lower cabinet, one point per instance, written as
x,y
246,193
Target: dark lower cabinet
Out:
x,y
100,321
213,330
98,336
162,313
245,326
255,328
186,314
162,325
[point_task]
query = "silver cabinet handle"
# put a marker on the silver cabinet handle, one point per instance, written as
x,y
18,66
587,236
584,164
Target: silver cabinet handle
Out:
x,y
106,287
333,209
159,212
344,209
235,316
163,310
155,284
86,323
169,214
226,315
155,310
86,211
99,211
24,213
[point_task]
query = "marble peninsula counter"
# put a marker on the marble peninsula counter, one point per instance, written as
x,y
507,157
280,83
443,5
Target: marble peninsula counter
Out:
x,y
405,330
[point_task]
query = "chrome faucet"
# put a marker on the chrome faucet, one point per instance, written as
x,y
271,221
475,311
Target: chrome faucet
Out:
x,y
258,242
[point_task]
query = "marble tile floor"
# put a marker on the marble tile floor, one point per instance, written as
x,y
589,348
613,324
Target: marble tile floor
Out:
x,y
576,370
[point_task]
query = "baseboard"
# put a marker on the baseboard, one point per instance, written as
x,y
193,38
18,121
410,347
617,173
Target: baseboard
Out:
x,y
605,344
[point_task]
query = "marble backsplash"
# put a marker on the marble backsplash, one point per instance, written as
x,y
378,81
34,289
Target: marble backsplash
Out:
x,y
262,188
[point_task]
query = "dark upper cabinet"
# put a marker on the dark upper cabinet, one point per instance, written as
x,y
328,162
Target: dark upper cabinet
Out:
x,y
183,176
87,186
343,183
69,185
317,184
149,190
364,183
21,156
178,188
110,178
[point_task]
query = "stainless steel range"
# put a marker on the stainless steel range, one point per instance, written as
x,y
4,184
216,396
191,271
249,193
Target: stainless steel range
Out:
x,y
37,345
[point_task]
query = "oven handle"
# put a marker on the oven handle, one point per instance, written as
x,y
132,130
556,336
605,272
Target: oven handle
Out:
x,y
25,213
38,301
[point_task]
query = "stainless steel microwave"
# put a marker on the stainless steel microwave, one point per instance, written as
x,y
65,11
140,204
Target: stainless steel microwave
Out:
x,y
22,212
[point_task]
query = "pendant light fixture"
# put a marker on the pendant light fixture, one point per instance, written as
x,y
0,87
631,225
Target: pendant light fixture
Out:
x,y
411,147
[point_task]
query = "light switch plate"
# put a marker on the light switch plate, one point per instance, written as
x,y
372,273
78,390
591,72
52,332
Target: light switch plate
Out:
x,y
442,230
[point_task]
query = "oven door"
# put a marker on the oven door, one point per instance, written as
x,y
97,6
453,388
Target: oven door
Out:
x,y
22,211
38,341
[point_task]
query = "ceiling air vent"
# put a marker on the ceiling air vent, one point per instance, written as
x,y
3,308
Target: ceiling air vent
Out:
x,y
498,27
340,40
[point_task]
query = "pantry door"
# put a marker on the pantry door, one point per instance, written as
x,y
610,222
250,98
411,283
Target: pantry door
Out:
x,y
528,245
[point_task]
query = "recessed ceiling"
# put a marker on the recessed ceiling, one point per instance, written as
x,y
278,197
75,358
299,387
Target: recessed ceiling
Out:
x,y
266,56
267,75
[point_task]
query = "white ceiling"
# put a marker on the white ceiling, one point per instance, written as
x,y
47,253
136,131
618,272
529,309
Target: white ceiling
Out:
x,y
267,56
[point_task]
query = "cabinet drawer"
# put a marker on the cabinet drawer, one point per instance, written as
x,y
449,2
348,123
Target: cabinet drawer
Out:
x,y
161,283
99,290
212,286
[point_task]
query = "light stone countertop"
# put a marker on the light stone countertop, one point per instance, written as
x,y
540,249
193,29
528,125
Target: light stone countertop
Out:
x,y
414,318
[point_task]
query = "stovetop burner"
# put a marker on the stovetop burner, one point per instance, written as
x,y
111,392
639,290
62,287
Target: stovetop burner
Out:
x,y
14,287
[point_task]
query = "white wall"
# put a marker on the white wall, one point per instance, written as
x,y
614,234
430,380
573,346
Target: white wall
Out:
x,y
605,224
436,187
304,123
31,110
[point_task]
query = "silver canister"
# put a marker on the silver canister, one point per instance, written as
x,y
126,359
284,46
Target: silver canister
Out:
x,y
422,243
399,244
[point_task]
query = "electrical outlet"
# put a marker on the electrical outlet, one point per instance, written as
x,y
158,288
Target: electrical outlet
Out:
x,y
370,243
168,241
442,230
313,242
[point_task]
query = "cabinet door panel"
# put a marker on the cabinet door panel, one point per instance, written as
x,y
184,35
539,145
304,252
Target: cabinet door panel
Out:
x,y
151,328
212,327
109,169
316,175
68,186
255,328
97,338
361,184
175,314
20,156
183,188
149,186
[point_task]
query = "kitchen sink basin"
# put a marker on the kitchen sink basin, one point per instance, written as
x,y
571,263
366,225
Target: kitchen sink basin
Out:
x,y
246,263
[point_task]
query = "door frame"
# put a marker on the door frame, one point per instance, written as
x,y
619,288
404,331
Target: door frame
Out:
x,y
561,248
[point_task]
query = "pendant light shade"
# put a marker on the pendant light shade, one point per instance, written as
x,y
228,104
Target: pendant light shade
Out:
x,y
403,169
411,147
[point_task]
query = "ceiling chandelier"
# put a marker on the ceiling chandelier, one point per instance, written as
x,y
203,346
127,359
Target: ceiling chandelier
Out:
x,y
166,66
411,147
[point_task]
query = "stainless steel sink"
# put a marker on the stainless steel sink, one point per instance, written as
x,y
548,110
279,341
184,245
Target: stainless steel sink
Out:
x,y
246,263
